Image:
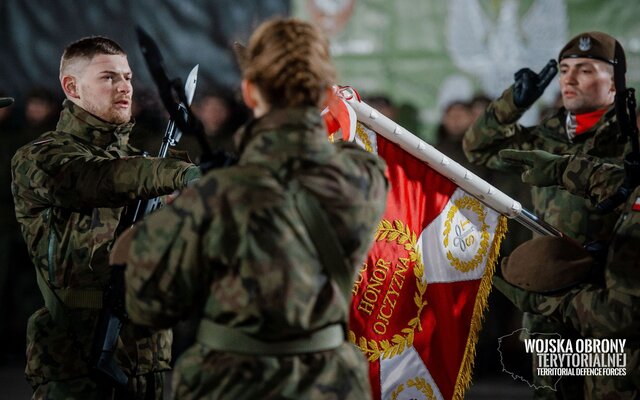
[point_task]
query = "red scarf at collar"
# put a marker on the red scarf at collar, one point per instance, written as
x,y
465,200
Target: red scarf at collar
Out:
x,y
585,121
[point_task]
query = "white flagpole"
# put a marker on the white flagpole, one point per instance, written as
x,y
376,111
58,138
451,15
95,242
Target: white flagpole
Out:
x,y
461,176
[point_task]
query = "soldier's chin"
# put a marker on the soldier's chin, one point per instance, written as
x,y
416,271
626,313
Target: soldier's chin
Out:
x,y
572,106
580,108
119,117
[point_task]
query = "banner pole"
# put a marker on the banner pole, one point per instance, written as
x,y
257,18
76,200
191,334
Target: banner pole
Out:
x,y
465,179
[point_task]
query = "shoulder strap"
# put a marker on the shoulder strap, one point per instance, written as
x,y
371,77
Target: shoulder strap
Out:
x,y
325,239
56,299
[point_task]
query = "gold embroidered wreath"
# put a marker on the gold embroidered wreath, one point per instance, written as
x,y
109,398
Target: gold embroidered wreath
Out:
x,y
400,234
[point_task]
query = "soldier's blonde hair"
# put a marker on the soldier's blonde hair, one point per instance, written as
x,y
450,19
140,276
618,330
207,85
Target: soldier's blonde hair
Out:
x,y
288,59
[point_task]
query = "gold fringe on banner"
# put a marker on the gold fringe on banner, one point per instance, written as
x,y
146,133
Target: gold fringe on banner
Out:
x,y
466,368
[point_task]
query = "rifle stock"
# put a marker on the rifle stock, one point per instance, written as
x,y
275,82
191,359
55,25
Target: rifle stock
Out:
x,y
110,323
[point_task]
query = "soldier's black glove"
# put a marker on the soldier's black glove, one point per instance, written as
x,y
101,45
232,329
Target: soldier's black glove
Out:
x,y
529,86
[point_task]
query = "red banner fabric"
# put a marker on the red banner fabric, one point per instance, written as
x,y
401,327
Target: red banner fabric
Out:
x,y
419,296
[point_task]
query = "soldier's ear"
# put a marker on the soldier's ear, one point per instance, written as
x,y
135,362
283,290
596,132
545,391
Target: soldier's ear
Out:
x,y
70,86
613,86
253,98
612,72
248,94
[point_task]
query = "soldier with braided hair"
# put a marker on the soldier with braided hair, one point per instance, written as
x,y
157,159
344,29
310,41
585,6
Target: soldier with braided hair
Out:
x,y
265,251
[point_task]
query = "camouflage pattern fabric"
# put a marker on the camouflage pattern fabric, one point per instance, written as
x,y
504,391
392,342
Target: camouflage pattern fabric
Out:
x,y
141,387
69,188
590,178
612,309
234,249
498,129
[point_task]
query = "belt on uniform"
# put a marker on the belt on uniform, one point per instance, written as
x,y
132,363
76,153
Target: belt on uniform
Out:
x,y
72,298
223,338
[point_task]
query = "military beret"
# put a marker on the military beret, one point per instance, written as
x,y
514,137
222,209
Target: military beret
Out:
x,y
5,101
547,264
597,45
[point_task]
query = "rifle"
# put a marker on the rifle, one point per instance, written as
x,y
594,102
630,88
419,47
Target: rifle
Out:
x,y
171,138
172,94
113,313
625,104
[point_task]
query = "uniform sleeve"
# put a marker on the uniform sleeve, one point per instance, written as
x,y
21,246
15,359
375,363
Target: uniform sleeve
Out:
x,y
613,308
495,130
589,178
71,179
602,312
164,269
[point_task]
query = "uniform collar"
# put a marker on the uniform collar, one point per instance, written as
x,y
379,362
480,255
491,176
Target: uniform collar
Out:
x,y
589,121
86,126
285,134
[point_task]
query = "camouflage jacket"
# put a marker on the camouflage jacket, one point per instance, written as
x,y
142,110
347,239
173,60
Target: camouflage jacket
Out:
x,y
233,249
498,129
69,188
611,309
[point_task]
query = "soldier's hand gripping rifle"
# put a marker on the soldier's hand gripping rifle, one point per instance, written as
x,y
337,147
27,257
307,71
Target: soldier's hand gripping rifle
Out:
x,y
113,312
625,103
171,138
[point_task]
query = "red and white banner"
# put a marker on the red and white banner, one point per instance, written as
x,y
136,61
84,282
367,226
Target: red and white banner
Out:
x,y
419,298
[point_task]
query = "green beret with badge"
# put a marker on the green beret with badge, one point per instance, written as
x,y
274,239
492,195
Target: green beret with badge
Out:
x,y
596,45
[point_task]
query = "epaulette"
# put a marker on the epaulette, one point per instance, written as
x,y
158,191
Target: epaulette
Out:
x,y
43,141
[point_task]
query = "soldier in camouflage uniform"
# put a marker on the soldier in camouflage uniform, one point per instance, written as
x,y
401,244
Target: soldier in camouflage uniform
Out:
x,y
237,250
70,186
586,124
610,309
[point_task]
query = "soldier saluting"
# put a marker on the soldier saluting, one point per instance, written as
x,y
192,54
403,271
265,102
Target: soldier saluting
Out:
x,y
585,124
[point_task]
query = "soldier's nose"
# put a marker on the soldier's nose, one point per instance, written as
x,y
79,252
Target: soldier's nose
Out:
x,y
125,87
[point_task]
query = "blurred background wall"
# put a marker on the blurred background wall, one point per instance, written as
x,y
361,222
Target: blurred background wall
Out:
x,y
34,33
